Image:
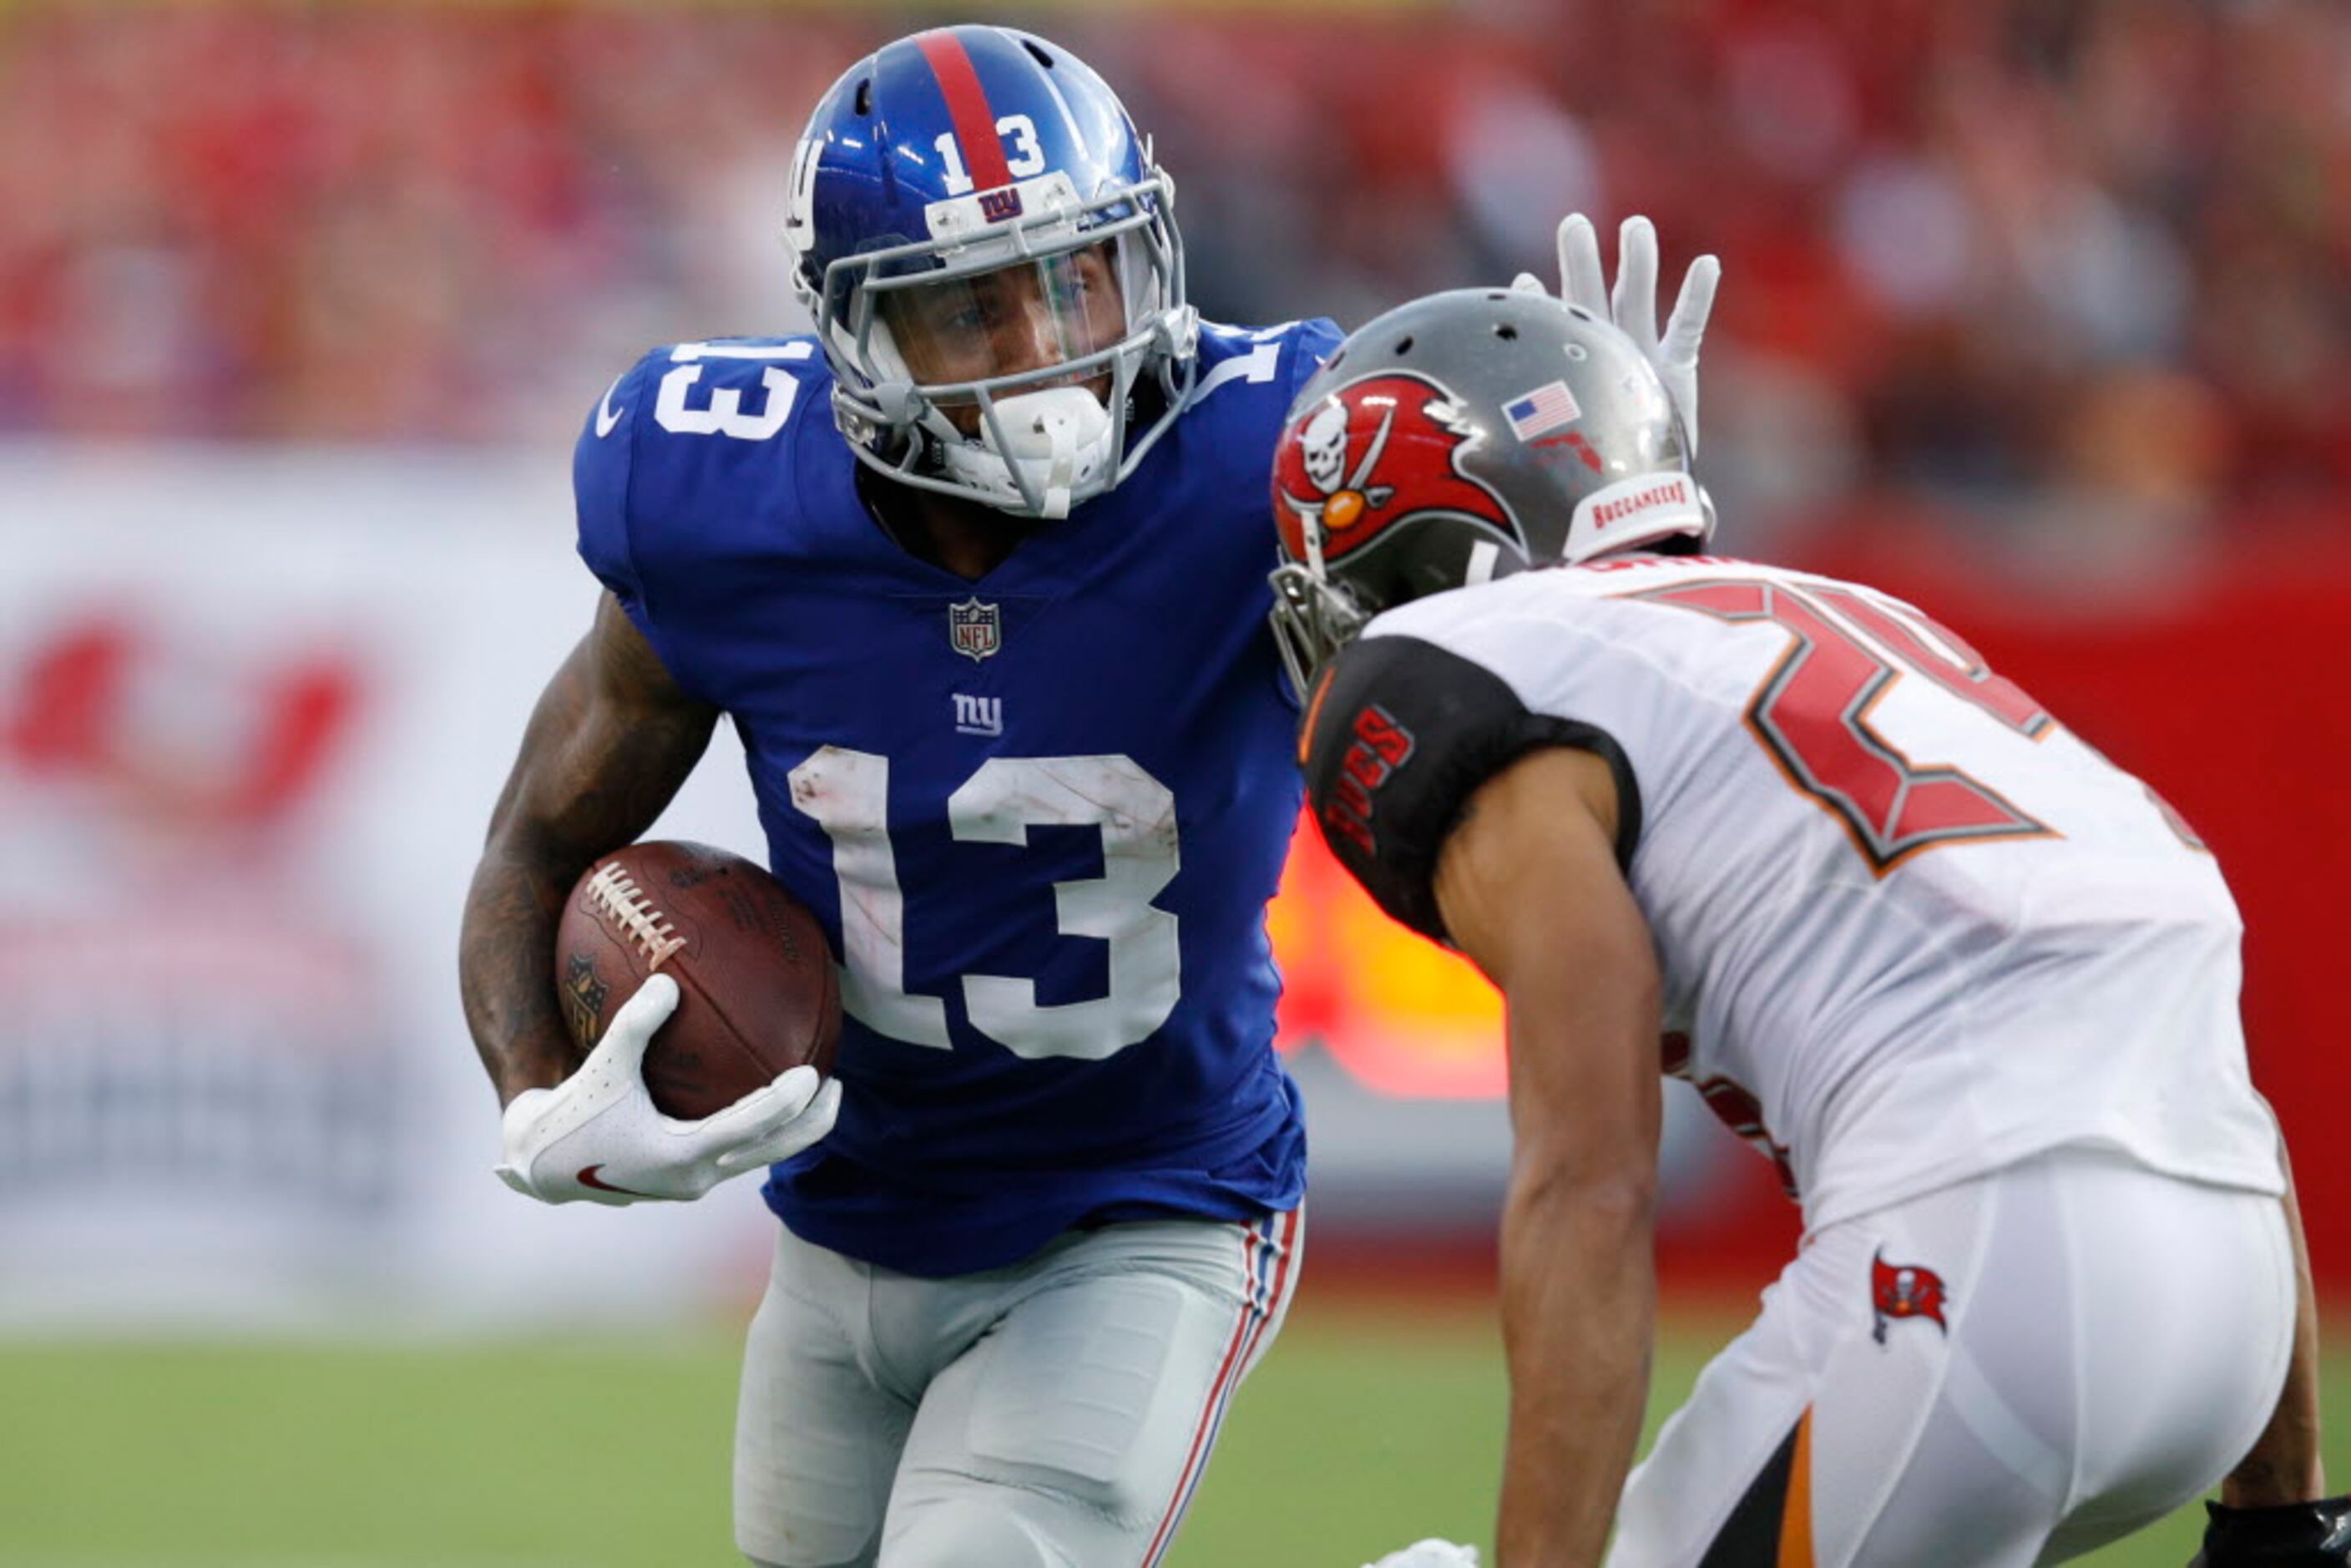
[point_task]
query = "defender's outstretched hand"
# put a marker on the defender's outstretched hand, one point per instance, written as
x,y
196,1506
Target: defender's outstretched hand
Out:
x,y
2294,1535
1633,307
1429,1553
596,1135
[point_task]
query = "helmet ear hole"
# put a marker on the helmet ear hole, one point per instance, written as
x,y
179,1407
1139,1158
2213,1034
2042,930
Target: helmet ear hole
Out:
x,y
1505,332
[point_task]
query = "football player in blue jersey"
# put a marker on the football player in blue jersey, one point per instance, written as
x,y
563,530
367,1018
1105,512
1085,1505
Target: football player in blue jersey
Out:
x,y
977,571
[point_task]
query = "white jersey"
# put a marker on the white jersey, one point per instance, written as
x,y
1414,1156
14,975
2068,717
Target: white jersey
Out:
x,y
1912,929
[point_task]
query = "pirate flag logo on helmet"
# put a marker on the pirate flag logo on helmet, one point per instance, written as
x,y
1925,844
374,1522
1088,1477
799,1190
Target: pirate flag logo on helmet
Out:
x,y
1374,453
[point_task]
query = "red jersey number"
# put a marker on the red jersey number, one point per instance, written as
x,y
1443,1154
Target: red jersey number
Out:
x,y
1811,713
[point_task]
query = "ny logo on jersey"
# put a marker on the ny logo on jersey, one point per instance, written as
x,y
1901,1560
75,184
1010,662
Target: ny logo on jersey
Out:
x,y
979,716
975,629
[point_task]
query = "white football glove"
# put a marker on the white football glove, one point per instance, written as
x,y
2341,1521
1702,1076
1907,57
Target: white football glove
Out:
x,y
597,1136
1634,306
1429,1554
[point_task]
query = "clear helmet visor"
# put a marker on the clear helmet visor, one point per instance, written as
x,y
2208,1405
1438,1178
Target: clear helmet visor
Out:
x,y
1017,323
999,360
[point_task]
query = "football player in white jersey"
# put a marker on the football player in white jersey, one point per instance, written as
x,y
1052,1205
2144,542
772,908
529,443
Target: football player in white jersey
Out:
x,y
1971,987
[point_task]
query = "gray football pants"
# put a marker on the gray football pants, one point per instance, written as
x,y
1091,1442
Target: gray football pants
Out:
x,y
1055,1414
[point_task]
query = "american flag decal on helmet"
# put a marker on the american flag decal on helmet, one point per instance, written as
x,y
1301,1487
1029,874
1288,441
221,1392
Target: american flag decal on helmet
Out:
x,y
1542,410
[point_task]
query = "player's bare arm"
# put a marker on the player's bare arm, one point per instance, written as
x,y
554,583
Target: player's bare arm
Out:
x,y
612,740
1529,889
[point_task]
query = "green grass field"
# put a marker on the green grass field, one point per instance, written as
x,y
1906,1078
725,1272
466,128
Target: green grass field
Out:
x,y
1363,1430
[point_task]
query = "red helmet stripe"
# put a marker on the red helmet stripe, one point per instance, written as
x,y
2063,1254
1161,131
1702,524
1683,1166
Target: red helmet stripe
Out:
x,y
975,122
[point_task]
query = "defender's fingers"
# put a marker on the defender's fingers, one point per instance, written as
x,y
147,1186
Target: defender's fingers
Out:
x,y
1686,326
1528,283
1580,278
1636,301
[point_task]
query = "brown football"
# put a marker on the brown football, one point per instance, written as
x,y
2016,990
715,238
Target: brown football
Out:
x,y
758,994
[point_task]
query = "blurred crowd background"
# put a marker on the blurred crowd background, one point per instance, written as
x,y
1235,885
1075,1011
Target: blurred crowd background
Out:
x,y
1988,263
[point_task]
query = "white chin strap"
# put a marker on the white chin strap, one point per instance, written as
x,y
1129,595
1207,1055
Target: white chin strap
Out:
x,y
1637,511
1057,441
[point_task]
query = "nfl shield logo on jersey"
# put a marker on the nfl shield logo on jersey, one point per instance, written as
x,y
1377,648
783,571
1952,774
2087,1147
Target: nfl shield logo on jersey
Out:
x,y
975,629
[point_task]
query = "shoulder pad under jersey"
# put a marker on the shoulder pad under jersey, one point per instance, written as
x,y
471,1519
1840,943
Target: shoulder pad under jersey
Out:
x,y
1398,734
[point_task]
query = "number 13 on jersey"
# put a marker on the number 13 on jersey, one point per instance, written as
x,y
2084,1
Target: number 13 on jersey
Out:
x,y
848,794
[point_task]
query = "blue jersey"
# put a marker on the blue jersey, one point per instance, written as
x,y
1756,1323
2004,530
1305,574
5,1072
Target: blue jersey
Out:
x,y
1040,814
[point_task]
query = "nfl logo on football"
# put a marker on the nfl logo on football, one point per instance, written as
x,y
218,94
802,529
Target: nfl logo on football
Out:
x,y
975,629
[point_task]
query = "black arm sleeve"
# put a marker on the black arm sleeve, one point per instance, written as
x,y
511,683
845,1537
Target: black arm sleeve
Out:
x,y
1400,733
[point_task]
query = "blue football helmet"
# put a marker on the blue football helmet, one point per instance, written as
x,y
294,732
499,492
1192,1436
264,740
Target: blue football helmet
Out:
x,y
992,262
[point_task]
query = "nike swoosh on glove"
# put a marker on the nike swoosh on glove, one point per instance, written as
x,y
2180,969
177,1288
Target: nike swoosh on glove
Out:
x,y
596,1135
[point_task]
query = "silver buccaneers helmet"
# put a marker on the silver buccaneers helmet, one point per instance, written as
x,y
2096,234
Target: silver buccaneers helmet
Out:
x,y
1460,438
